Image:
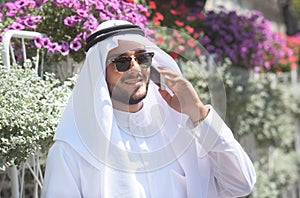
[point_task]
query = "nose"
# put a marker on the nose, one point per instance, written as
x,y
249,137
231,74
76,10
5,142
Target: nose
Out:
x,y
134,65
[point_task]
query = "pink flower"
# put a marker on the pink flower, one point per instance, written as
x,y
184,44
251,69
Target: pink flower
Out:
x,y
152,5
21,3
198,51
36,19
10,6
267,65
84,36
189,29
16,26
191,42
29,23
38,41
64,48
160,40
12,9
75,45
82,13
53,47
179,23
69,21
46,42
91,24
31,3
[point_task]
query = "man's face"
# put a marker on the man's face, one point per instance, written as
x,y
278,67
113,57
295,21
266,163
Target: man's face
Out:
x,y
128,87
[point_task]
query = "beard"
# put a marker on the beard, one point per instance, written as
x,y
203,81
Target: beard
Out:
x,y
121,94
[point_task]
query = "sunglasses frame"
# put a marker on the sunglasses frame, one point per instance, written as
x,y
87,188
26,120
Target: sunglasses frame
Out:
x,y
135,57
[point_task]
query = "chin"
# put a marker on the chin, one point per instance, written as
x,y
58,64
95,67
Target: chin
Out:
x,y
138,96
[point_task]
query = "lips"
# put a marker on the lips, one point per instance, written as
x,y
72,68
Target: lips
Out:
x,y
134,81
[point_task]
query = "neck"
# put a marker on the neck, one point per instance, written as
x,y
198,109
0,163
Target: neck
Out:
x,y
126,107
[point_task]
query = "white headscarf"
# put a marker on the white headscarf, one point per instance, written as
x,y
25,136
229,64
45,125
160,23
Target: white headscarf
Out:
x,y
88,124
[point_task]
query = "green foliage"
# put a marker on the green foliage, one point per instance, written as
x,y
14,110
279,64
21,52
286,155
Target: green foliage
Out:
x,y
275,173
291,99
285,170
261,111
30,110
264,188
256,106
253,106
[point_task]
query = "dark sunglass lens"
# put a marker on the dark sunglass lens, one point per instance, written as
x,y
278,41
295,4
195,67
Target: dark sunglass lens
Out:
x,y
144,59
123,63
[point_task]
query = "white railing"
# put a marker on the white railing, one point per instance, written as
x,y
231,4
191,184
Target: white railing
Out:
x,y
33,164
8,49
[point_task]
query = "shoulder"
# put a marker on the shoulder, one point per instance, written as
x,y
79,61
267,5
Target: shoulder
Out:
x,y
61,151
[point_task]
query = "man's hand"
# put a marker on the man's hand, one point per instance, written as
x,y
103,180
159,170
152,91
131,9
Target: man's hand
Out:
x,y
185,98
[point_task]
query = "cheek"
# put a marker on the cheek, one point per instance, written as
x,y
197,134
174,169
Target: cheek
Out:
x,y
112,77
146,73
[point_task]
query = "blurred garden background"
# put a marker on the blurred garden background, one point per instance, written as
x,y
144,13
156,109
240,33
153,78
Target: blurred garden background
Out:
x,y
255,47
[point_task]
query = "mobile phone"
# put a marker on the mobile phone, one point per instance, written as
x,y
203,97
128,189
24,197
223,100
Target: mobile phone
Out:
x,y
157,78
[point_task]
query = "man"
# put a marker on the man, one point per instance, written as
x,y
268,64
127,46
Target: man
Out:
x,y
123,136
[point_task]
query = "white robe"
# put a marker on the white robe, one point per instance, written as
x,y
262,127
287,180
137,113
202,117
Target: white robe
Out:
x,y
225,170
101,152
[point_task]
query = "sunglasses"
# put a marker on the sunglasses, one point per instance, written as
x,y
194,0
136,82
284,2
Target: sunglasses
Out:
x,y
123,63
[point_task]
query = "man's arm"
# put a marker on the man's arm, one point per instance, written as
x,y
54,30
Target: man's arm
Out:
x,y
61,176
232,168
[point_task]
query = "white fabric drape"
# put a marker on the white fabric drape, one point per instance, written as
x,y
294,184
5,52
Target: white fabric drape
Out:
x,y
100,152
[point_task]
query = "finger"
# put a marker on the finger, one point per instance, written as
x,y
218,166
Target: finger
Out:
x,y
165,95
173,81
168,72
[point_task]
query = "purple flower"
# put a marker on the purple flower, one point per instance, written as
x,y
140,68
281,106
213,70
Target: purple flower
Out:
x,y
10,6
64,48
32,4
248,36
21,3
61,2
69,21
257,69
75,45
29,23
11,13
16,26
46,42
103,16
84,36
82,13
267,65
91,24
99,6
36,19
53,47
38,41
78,36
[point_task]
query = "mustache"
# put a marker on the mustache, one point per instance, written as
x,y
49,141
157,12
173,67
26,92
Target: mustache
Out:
x,y
133,76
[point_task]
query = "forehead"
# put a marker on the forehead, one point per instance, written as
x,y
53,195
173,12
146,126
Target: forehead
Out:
x,y
123,47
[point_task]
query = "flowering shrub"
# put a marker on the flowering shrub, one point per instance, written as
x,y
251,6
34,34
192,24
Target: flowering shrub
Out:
x,y
292,47
67,23
177,33
30,111
287,57
246,39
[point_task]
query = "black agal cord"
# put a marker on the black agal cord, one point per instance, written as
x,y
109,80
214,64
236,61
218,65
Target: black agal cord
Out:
x,y
105,33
